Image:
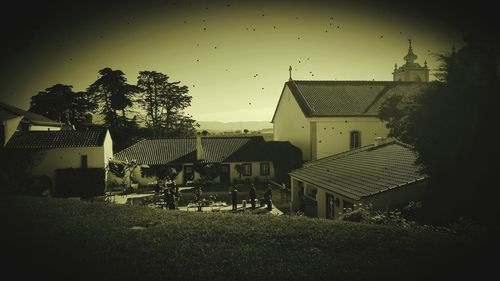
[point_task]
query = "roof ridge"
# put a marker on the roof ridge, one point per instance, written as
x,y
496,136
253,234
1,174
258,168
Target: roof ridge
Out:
x,y
298,94
338,155
378,97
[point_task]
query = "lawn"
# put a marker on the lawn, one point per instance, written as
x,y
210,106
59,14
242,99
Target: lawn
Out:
x,y
72,239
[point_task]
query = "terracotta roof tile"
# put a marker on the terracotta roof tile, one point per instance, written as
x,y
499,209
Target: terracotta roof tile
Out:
x,y
164,151
364,171
346,98
56,139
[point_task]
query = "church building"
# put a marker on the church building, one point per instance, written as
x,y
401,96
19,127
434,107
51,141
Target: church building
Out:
x,y
323,118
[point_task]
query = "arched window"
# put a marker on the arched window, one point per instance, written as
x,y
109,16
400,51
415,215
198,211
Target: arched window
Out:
x,y
355,139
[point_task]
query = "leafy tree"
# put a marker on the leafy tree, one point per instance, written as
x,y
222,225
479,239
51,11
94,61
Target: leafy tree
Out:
x,y
239,170
205,133
60,103
246,131
451,125
207,172
113,93
165,102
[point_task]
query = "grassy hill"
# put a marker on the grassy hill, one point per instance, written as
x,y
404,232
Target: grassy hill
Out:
x,y
76,240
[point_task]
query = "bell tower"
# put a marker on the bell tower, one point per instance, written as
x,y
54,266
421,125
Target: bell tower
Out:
x,y
411,70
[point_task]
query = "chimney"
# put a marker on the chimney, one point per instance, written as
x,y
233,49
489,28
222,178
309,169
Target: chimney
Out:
x,y
200,155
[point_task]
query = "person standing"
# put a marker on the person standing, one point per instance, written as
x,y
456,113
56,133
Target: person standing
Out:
x,y
198,198
171,198
268,195
234,198
252,194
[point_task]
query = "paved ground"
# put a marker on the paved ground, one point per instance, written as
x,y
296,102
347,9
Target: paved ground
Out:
x,y
228,208
222,207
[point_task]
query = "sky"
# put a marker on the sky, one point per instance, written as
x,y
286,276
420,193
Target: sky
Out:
x,y
233,55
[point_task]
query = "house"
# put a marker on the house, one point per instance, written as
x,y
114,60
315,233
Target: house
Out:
x,y
323,118
251,153
65,158
383,174
14,119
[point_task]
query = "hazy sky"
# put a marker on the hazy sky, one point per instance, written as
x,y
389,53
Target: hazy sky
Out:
x,y
233,55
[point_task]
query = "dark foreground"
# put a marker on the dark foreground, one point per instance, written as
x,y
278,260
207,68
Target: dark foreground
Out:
x,y
66,239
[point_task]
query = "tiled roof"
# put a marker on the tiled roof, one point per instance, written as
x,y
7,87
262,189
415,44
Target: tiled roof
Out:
x,y
346,98
8,110
220,149
364,171
56,139
162,151
157,151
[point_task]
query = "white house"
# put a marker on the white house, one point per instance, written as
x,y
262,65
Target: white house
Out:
x,y
254,154
323,118
383,174
14,119
55,151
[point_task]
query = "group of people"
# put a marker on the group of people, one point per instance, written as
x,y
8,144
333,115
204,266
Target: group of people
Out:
x,y
252,195
171,195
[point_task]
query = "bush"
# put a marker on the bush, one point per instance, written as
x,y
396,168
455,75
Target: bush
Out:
x,y
365,214
360,213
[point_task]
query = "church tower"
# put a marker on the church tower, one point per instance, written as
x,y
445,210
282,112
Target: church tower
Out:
x,y
411,70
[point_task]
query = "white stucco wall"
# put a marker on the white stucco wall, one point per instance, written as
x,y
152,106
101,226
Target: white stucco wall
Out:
x,y
107,148
10,127
62,158
255,171
291,125
143,181
44,128
384,200
333,133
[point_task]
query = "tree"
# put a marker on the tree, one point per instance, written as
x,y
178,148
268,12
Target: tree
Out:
x,y
207,172
239,170
450,124
246,131
113,94
60,103
165,102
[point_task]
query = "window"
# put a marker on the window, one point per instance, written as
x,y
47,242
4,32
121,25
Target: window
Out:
x,y
355,139
83,161
247,169
264,169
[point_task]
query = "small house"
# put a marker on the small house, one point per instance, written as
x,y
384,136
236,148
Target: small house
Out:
x,y
383,174
234,159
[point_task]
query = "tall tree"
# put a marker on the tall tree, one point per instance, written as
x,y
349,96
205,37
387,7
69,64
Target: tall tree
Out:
x,y
114,96
60,103
165,102
451,125
113,93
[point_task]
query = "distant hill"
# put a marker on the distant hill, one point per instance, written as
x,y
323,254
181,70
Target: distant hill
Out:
x,y
233,126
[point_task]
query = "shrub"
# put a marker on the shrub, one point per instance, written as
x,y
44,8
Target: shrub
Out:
x,y
366,214
360,213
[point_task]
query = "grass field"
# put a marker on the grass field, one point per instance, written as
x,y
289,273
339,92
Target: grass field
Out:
x,y
75,240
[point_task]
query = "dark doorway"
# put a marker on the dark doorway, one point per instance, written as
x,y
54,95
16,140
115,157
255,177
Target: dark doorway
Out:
x,y
225,174
188,174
